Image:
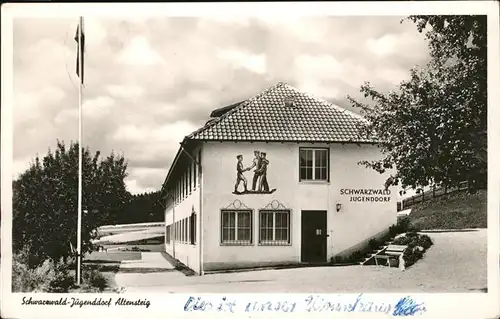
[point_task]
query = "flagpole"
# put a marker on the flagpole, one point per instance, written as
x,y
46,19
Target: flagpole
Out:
x,y
79,227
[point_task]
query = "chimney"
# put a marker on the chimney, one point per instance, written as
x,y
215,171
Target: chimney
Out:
x,y
289,101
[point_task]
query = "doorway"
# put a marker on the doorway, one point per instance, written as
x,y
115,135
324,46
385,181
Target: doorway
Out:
x,y
314,236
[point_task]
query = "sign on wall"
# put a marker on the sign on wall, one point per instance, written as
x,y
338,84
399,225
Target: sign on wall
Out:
x,y
260,184
367,195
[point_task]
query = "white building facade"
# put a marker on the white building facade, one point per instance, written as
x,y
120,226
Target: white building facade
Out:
x,y
274,180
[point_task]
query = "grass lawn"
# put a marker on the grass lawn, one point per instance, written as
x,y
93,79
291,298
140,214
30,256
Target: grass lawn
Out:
x,y
108,265
111,257
455,211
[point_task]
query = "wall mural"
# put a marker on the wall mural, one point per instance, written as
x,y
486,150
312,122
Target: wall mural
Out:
x,y
260,184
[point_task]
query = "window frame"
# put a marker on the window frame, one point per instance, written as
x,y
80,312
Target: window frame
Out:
x,y
190,177
194,175
179,237
175,232
167,235
183,186
275,242
314,149
184,230
236,242
192,228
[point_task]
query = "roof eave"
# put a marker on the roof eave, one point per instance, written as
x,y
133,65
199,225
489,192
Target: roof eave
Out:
x,y
174,163
288,141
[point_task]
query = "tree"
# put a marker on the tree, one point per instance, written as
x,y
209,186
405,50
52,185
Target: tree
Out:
x,y
433,128
45,201
145,207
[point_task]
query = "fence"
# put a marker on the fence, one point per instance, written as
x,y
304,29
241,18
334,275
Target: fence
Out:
x,y
432,193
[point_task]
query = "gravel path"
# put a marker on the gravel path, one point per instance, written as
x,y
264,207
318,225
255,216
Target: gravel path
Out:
x,y
457,262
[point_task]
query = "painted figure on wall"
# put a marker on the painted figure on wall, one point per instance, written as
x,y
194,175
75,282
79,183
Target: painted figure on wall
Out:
x,y
256,163
263,185
239,174
259,181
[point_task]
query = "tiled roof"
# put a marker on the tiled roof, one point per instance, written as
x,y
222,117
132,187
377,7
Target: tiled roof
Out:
x,y
266,117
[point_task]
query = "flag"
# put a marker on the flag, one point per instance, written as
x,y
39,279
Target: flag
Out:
x,y
80,50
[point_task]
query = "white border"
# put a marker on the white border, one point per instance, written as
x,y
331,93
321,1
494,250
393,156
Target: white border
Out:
x,y
439,305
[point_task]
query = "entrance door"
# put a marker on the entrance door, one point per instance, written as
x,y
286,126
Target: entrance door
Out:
x,y
313,248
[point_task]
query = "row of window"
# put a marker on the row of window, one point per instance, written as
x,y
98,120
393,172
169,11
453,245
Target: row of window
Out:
x,y
182,231
313,166
237,227
187,183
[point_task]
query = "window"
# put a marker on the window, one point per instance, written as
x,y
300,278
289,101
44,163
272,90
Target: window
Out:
x,y
184,180
176,231
190,178
179,231
185,230
177,193
167,235
194,175
182,186
236,227
274,227
192,228
179,224
314,164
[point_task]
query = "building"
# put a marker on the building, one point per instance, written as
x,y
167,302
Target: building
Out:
x,y
274,180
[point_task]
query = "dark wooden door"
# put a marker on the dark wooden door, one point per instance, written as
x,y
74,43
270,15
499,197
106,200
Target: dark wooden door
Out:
x,y
314,236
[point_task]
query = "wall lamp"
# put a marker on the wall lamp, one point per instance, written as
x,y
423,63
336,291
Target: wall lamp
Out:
x,y
339,206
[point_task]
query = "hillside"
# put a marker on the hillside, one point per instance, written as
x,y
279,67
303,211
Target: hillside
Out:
x,y
454,211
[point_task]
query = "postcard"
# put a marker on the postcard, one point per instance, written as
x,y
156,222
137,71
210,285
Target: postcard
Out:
x,y
250,159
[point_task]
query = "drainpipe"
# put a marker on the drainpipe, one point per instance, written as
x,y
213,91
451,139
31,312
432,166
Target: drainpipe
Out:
x,y
200,180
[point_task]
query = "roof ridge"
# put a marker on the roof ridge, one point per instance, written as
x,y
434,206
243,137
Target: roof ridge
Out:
x,y
318,99
237,108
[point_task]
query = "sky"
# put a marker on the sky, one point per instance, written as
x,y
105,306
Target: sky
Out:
x,y
150,82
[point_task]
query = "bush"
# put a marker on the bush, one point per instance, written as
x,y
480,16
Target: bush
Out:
x,y
404,240
355,256
338,260
95,279
25,279
404,224
63,280
424,241
394,230
373,244
411,234
48,277
417,245
411,255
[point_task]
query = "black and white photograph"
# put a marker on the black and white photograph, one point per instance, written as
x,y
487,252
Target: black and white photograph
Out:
x,y
239,154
